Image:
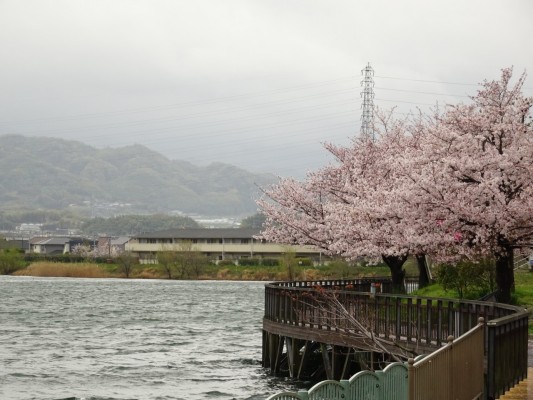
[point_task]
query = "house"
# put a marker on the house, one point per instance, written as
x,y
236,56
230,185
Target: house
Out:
x,y
13,243
53,244
216,244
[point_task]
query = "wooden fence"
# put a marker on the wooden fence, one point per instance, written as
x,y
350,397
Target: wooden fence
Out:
x,y
419,323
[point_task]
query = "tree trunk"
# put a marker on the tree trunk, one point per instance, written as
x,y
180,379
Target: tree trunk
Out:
x,y
504,275
423,270
395,264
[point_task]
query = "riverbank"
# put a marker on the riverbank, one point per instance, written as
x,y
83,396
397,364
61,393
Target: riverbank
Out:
x,y
523,294
208,272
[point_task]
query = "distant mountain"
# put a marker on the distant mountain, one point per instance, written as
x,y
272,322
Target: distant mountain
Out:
x,y
50,173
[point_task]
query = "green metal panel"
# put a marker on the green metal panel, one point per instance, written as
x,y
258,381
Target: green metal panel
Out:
x,y
327,390
364,385
394,382
287,396
389,384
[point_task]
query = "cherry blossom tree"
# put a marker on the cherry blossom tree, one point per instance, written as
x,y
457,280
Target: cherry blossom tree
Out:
x,y
295,214
343,208
363,222
472,173
103,251
453,185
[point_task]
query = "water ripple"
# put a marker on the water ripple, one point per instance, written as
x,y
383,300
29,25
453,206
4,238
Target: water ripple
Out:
x,y
109,339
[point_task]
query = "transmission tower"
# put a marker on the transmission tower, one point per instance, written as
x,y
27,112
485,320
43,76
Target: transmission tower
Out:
x,y
367,117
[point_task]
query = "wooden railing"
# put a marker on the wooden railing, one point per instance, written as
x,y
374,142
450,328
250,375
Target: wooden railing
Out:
x,y
420,323
454,371
359,284
506,352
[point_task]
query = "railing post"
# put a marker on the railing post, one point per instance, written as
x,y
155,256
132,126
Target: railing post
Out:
x,y
451,368
411,373
304,395
429,312
418,320
346,386
491,364
398,319
439,323
409,318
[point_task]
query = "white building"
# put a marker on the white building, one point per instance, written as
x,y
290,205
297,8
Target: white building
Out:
x,y
216,244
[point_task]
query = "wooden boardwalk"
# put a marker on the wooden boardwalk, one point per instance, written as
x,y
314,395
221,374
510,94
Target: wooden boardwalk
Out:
x,y
305,337
522,391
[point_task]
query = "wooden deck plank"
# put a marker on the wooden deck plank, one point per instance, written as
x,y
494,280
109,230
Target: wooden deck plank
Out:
x,y
522,391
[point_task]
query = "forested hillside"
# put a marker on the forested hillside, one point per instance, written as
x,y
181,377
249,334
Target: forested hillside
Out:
x,y
135,224
54,174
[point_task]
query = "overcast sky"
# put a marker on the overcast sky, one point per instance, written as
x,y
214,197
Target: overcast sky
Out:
x,y
257,84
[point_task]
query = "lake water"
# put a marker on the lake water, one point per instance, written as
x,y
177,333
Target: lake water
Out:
x,y
132,339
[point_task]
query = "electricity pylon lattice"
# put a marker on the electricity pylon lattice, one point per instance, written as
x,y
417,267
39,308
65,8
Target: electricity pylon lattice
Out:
x,y
367,117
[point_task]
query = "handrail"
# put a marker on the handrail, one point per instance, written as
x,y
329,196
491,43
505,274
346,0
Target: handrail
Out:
x,y
363,283
419,322
458,366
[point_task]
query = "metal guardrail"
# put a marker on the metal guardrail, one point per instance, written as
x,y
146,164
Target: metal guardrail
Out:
x,y
454,371
521,262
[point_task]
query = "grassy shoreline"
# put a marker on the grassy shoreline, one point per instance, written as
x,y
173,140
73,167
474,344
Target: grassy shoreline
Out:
x,y
211,272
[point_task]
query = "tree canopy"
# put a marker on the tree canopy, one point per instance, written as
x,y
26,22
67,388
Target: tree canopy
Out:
x,y
134,224
453,185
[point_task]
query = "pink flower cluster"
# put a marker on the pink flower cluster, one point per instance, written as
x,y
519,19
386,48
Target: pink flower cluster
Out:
x,y
453,184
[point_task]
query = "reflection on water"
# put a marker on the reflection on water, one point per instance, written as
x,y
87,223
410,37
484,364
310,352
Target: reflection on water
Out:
x,y
131,339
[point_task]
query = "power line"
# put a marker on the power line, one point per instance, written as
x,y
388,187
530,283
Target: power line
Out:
x,y
440,82
249,95
406,102
190,103
203,116
418,92
427,81
274,129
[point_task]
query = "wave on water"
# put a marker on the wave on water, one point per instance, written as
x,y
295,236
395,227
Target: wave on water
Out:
x,y
101,339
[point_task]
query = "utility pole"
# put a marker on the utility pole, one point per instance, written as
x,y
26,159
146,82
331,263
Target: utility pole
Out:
x,y
367,117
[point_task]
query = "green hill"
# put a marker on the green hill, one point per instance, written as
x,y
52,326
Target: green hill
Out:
x,y
53,174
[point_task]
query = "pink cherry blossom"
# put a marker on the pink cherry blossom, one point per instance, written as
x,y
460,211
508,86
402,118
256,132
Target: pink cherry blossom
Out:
x,y
454,185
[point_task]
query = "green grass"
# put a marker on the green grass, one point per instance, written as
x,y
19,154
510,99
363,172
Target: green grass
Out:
x,y
436,290
237,272
523,294
524,288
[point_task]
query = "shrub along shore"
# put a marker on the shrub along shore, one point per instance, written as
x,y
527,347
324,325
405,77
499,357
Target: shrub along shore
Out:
x,y
225,271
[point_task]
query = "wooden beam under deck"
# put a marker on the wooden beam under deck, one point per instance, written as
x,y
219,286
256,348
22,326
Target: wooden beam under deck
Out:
x,y
338,338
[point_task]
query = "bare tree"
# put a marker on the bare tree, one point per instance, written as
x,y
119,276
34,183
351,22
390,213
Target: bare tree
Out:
x,y
189,261
167,259
289,262
358,319
126,262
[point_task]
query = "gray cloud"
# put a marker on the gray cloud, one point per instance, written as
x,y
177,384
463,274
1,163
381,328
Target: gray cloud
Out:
x,y
258,84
